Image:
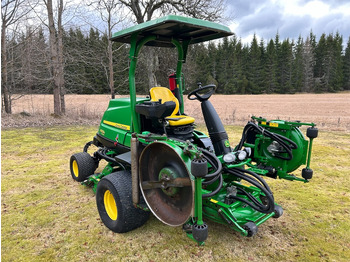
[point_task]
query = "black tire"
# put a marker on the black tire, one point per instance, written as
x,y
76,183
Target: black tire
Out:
x,y
312,132
278,211
200,232
82,165
116,189
199,167
251,227
307,173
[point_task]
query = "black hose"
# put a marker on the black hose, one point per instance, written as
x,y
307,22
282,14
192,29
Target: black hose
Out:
x,y
214,162
257,182
285,142
253,179
87,145
252,198
216,190
102,154
211,181
261,180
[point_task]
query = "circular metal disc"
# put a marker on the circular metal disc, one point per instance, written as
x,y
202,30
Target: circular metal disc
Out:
x,y
173,208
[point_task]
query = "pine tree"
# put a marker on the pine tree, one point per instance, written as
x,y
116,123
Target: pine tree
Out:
x,y
239,78
285,57
255,70
270,68
320,63
336,70
262,82
346,67
298,77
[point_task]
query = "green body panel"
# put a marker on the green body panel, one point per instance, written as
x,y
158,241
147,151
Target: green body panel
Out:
x,y
299,155
262,154
116,123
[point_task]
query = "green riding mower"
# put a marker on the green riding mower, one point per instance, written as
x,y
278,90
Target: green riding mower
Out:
x,y
158,162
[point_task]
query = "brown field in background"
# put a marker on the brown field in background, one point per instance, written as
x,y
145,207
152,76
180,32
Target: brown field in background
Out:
x,y
328,111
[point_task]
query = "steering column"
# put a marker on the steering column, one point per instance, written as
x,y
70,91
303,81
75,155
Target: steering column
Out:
x,y
216,130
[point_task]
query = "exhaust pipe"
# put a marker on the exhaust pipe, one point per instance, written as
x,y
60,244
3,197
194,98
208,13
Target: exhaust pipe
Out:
x,y
135,170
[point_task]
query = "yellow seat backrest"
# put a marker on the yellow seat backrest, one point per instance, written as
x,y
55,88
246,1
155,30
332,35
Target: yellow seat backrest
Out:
x,y
166,95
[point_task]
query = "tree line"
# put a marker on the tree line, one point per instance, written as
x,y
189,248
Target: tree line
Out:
x,y
286,66
68,60
275,66
59,53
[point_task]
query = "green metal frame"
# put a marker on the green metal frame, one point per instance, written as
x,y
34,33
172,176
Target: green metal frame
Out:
x,y
168,31
134,52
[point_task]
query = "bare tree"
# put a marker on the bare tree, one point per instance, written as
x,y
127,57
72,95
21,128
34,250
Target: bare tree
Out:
x,y
308,64
145,10
56,52
12,11
111,14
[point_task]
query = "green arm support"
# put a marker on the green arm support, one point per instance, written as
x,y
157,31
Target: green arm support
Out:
x,y
134,51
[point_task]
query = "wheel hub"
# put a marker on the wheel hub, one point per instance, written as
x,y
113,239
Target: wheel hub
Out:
x,y
168,174
75,168
110,205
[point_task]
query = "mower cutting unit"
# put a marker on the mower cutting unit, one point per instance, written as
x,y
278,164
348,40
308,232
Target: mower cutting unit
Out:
x,y
157,161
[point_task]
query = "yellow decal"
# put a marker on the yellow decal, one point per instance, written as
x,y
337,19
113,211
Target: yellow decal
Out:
x,y
214,201
263,123
102,132
273,124
121,126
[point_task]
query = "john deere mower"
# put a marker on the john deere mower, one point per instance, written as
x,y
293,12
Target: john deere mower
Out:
x,y
158,162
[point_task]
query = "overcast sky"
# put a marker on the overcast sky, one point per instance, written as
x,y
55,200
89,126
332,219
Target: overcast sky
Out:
x,y
290,18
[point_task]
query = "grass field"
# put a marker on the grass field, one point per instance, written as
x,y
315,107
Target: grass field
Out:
x,y
329,111
46,216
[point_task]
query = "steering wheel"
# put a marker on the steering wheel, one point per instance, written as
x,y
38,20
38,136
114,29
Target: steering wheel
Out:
x,y
199,93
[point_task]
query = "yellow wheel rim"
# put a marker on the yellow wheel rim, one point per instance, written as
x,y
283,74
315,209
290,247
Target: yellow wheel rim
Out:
x,y
110,205
75,168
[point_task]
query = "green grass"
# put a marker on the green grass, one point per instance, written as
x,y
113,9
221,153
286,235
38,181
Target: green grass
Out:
x,y
46,216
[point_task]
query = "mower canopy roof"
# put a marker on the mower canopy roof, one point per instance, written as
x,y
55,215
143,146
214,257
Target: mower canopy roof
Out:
x,y
173,27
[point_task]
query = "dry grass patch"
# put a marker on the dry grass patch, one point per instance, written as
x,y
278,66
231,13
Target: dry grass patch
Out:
x,y
329,111
46,216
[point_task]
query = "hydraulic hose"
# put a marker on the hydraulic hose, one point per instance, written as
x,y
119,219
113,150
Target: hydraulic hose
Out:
x,y
285,142
257,182
243,174
212,177
103,154
261,180
214,192
214,162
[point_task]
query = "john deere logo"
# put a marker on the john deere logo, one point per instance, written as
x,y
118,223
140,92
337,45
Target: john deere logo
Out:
x,y
227,143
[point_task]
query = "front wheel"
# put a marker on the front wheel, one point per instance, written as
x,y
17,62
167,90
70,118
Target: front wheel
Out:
x,y
114,203
82,165
251,228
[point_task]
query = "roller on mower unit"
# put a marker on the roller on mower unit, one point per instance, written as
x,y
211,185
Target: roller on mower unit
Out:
x,y
157,162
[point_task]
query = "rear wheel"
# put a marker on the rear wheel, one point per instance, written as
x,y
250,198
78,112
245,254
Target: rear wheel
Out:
x,y
82,165
114,203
